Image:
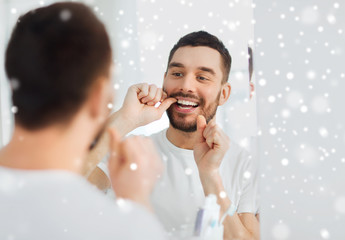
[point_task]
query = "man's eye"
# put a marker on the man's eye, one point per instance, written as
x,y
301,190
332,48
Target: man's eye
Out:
x,y
202,78
177,74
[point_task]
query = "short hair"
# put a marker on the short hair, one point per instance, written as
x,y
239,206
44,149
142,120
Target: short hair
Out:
x,y
54,55
202,38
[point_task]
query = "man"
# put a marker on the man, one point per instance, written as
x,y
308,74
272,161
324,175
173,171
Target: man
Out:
x,y
199,158
58,60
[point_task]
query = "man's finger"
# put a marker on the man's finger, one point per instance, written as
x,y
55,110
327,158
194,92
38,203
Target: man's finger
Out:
x,y
151,95
201,125
142,90
166,104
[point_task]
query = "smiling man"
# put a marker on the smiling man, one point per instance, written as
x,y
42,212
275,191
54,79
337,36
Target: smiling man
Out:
x,y
199,158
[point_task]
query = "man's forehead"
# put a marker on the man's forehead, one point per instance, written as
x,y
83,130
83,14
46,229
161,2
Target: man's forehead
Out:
x,y
196,57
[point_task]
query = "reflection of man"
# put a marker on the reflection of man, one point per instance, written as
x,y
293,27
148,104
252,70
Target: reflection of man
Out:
x,y
60,58
196,153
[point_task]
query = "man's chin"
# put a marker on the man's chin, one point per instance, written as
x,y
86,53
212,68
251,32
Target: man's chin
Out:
x,y
184,126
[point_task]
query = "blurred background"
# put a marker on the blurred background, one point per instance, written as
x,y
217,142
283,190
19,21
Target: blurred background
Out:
x,y
299,56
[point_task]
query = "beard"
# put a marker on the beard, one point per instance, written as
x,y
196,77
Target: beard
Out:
x,y
178,120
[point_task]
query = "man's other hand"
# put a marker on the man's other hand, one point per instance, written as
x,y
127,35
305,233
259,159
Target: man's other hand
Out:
x,y
134,166
211,146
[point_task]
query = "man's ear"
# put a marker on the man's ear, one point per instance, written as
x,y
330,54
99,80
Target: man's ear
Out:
x,y
252,89
225,93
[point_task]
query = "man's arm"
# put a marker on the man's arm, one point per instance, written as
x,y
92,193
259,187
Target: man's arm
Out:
x,y
208,153
137,110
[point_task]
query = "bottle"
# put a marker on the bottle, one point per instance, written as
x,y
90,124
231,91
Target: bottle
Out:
x,y
207,225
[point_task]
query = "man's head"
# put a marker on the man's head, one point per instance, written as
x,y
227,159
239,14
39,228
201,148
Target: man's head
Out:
x,y
55,58
197,75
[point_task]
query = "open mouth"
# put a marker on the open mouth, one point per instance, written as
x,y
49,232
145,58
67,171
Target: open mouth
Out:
x,y
183,104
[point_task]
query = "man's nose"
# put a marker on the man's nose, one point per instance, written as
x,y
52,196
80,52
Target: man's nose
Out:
x,y
187,84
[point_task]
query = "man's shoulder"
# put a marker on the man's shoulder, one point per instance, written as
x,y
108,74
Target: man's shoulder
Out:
x,y
159,138
158,135
237,155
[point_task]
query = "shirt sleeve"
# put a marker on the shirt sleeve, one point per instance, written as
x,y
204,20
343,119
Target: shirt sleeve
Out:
x,y
248,202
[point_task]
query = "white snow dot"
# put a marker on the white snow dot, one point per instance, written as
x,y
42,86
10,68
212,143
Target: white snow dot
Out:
x,y
247,175
323,132
110,106
121,12
188,171
14,83
125,44
320,29
331,19
311,74
285,162
14,109
222,194
273,131
13,10
65,15
290,75
336,5
116,86
304,109
271,99
262,82
324,233
133,166
285,113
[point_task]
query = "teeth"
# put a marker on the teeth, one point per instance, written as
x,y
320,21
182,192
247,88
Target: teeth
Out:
x,y
188,103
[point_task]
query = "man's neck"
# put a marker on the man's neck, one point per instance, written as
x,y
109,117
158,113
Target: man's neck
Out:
x,y
181,139
50,148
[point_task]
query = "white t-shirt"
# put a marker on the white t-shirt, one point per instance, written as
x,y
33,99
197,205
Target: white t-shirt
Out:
x,y
179,193
55,204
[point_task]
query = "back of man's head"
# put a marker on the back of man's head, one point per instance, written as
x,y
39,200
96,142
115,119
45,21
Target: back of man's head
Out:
x,y
54,56
204,39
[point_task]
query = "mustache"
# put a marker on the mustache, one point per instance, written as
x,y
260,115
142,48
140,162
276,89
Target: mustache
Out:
x,y
187,95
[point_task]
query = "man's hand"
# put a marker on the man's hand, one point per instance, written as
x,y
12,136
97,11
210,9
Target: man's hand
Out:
x,y
210,148
134,166
139,105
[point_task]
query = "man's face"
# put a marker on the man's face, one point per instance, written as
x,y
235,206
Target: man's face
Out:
x,y
194,78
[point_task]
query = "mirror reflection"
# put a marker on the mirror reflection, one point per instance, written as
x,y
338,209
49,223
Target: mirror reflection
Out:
x,y
186,83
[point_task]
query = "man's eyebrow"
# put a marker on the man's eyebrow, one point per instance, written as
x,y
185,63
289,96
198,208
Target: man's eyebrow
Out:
x,y
175,64
206,69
